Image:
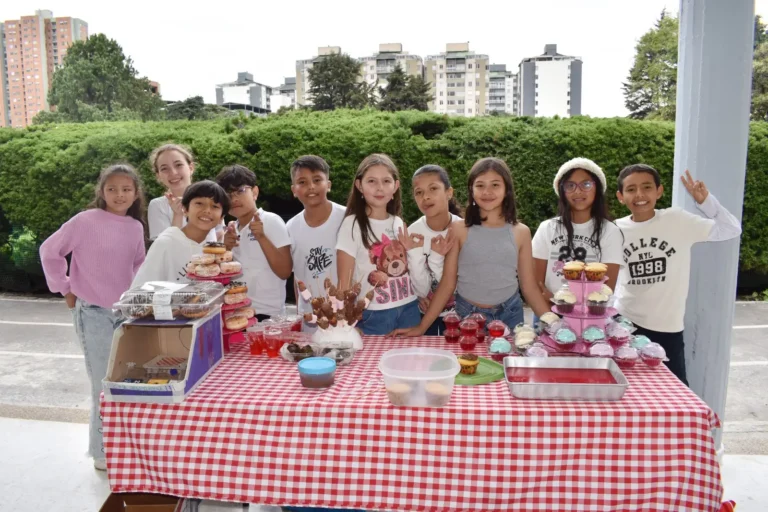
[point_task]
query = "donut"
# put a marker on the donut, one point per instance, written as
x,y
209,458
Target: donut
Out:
x,y
230,267
203,259
236,323
207,270
235,298
246,312
236,287
191,266
214,248
198,312
225,256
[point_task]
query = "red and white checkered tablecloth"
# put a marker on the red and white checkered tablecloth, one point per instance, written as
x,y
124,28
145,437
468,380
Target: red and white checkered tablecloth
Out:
x,y
252,433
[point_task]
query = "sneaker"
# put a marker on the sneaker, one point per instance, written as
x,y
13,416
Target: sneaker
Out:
x,y
100,464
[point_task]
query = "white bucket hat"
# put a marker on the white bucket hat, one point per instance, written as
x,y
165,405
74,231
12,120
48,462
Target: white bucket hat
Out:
x,y
579,163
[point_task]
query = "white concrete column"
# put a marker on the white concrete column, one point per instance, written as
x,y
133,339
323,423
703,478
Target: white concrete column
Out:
x,y
714,82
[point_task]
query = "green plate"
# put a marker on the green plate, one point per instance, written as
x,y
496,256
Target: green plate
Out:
x,y
487,371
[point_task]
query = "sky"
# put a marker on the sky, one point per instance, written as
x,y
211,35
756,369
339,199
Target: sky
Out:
x,y
189,50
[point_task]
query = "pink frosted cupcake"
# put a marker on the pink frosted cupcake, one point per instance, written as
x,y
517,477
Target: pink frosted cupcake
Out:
x,y
625,357
653,354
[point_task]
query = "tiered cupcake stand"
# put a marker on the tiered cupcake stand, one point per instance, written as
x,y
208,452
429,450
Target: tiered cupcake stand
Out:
x,y
578,320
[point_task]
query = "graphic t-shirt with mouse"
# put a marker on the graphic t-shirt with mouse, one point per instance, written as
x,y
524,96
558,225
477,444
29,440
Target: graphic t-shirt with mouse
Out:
x,y
383,267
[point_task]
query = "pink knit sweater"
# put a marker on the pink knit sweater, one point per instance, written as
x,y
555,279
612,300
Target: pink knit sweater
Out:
x,y
107,250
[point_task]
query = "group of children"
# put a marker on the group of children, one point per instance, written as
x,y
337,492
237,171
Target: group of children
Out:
x,y
480,260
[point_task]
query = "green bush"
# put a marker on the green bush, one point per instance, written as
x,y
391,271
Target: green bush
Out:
x,y
47,172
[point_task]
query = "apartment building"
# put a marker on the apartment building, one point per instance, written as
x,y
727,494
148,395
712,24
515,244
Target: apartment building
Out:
x,y
377,68
459,79
550,84
502,90
31,48
245,94
302,75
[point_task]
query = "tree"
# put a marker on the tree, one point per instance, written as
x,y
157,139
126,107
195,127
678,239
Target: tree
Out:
x,y
651,88
335,83
194,109
419,93
761,35
760,83
404,92
96,73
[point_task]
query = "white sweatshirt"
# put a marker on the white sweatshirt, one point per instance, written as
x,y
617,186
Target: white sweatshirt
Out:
x,y
167,258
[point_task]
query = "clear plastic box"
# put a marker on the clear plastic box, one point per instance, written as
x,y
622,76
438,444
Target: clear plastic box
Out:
x,y
419,377
168,301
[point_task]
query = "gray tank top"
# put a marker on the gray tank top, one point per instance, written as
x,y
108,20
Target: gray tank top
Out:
x,y
488,265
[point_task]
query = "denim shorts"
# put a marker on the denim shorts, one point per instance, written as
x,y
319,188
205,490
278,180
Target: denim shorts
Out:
x,y
510,311
384,321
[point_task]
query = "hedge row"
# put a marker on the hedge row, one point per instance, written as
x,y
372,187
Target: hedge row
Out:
x,y
47,172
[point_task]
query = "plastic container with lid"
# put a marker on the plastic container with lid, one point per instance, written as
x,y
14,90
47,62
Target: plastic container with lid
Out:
x,y
317,372
418,376
168,301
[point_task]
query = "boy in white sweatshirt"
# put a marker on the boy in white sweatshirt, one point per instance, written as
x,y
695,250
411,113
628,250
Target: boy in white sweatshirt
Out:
x,y
204,204
653,284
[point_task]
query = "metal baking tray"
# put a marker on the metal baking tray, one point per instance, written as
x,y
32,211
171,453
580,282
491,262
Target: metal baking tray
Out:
x,y
594,392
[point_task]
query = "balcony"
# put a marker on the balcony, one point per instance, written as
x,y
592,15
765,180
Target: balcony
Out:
x,y
383,70
460,67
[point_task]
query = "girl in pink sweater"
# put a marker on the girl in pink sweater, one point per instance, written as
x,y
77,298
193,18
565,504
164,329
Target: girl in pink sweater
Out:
x,y
107,247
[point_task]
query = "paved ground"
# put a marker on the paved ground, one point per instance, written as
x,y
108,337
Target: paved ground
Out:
x,y
44,378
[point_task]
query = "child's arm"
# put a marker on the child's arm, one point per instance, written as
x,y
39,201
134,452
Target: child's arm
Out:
x,y
141,253
525,272
440,246
417,261
53,254
725,227
444,291
540,251
345,267
279,258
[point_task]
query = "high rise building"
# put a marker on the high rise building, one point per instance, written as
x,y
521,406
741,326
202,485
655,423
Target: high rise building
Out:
x,y
459,79
302,76
245,94
377,67
31,48
550,84
502,90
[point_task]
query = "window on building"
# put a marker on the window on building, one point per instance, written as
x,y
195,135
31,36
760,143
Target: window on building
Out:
x,y
469,84
569,102
469,66
537,103
441,102
569,93
537,94
441,75
441,93
469,111
441,66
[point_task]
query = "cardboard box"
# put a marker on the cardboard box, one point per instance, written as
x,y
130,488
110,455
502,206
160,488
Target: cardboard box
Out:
x,y
199,341
141,502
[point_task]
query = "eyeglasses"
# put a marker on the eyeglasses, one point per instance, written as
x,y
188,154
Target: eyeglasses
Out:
x,y
239,192
571,186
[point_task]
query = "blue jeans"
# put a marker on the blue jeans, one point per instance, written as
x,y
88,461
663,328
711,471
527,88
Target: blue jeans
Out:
x,y
437,328
384,321
510,311
95,326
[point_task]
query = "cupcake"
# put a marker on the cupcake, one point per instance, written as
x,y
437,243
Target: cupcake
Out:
x,y
572,270
399,393
625,357
593,334
565,300
595,271
468,363
536,350
522,328
499,348
618,336
653,354
640,341
601,350
596,303
437,394
547,319
524,339
565,336
606,290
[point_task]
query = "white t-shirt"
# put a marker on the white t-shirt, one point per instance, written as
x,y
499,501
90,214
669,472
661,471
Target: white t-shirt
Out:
x,y
383,267
550,243
160,217
167,258
426,266
313,251
265,289
653,286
